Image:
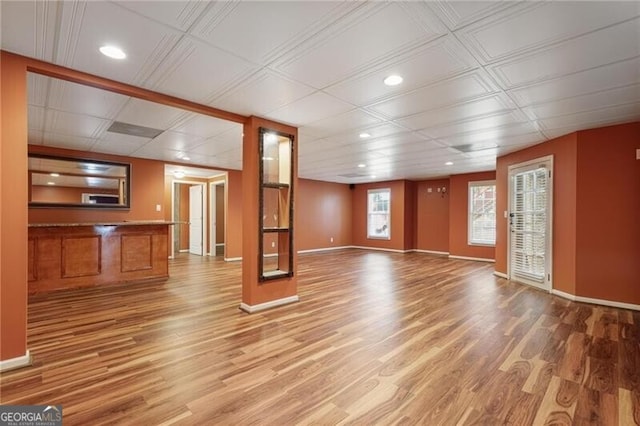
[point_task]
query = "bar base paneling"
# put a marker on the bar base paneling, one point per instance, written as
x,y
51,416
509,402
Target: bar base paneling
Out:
x,y
84,255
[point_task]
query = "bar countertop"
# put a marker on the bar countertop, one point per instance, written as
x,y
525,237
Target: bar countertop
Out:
x,y
105,223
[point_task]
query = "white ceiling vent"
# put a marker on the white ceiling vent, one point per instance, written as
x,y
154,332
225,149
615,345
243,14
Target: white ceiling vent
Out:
x,y
134,130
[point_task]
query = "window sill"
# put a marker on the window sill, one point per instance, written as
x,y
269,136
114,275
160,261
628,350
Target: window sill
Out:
x,y
482,244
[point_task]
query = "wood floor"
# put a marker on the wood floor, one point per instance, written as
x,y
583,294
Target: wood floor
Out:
x,y
377,338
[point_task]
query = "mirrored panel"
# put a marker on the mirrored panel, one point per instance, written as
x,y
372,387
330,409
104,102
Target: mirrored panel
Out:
x,y
56,181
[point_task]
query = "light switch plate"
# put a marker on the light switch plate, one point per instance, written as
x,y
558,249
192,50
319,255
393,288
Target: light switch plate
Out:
x,y
638,154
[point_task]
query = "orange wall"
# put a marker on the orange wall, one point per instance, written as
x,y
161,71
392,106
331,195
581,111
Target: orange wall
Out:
x,y
147,190
183,216
432,216
219,216
359,215
64,194
410,213
233,238
564,150
323,211
458,195
608,214
13,207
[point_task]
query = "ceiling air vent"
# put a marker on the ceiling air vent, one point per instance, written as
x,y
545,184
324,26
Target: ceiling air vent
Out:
x,y
353,175
133,130
473,147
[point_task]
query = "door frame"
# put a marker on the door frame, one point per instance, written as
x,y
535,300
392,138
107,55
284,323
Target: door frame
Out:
x,y
212,217
548,161
173,217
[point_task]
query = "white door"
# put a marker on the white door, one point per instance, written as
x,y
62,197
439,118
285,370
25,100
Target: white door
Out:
x,y
530,214
195,219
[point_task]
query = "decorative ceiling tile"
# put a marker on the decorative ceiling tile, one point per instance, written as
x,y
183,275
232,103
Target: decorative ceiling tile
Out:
x,y
311,108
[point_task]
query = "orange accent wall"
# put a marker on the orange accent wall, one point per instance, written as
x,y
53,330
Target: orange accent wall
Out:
x,y
233,238
323,211
220,203
432,216
183,211
359,215
564,151
147,190
410,213
458,194
13,207
608,214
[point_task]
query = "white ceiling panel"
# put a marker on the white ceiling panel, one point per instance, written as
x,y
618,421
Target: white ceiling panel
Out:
x,y
352,120
205,126
37,89
178,14
19,35
36,117
354,44
475,125
211,146
500,136
175,141
199,72
486,106
68,141
459,89
544,23
263,92
145,42
311,108
149,114
426,64
571,56
80,99
119,144
260,31
590,119
607,98
67,123
456,14
607,77
35,137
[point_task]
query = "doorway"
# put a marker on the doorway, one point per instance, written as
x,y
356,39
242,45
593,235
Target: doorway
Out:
x,y
218,218
530,222
189,205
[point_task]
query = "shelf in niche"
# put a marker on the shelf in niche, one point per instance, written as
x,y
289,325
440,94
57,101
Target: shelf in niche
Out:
x,y
269,275
275,185
273,229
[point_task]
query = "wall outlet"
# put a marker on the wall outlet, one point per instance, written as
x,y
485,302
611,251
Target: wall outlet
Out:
x,y
273,244
638,154
331,239
158,207
429,190
438,189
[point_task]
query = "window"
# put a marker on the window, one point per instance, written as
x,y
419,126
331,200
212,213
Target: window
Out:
x,y
482,213
379,213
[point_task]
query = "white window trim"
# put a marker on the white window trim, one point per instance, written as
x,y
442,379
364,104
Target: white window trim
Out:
x,y
469,210
374,191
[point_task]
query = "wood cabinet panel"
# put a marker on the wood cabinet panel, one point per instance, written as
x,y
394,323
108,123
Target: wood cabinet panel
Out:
x,y
64,257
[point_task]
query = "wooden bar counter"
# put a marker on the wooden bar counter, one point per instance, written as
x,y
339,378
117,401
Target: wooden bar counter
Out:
x,y
74,255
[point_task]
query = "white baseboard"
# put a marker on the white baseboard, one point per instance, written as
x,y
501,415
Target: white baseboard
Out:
x,y
478,259
612,303
183,251
232,259
324,249
268,305
439,253
501,275
381,249
219,244
18,362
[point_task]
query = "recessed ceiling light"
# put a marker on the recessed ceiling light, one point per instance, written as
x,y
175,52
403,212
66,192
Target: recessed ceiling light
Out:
x,y
54,174
373,176
361,165
112,52
51,183
393,80
185,158
364,135
449,163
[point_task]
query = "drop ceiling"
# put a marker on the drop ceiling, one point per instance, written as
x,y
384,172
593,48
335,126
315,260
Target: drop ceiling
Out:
x,y
481,79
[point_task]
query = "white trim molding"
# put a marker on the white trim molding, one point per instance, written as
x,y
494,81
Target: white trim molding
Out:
x,y
232,259
439,253
603,302
18,362
381,249
478,259
324,249
268,305
501,275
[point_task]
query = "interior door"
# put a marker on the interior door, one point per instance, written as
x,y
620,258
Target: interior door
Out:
x,y
530,199
195,219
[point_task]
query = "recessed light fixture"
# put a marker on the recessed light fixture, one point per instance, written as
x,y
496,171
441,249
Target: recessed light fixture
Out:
x,y
449,163
393,80
179,174
361,165
54,174
373,176
365,135
51,183
185,158
113,52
